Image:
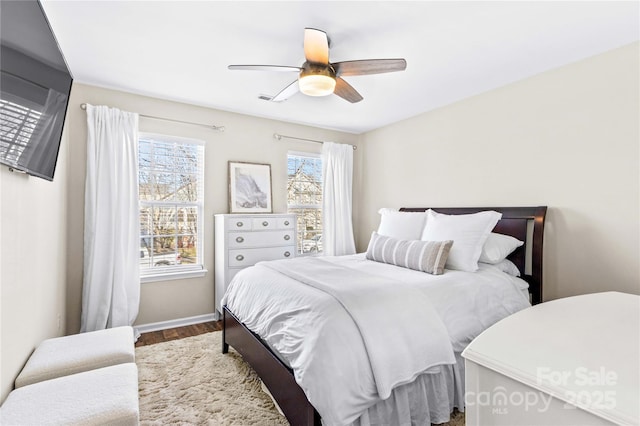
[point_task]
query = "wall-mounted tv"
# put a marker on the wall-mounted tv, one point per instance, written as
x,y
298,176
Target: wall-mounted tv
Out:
x,y
34,89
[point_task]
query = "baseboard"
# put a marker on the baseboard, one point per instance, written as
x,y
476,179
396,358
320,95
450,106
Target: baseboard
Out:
x,y
180,322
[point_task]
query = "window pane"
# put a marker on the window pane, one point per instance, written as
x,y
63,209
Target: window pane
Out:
x,y
171,189
309,229
187,158
304,198
163,156
164,251
145,185
164,220
145,252
164,186
187,250
304,180
144,154
187,220
186,187
146,225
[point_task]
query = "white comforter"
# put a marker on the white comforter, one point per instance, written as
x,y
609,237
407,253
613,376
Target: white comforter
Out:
x,y
314,334
360,294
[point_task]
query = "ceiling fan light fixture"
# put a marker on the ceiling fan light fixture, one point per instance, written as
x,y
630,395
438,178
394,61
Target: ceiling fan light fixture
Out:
x,y
317,85
319,77
317,81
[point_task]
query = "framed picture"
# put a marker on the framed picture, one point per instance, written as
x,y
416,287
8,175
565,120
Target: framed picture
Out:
x,y
249,188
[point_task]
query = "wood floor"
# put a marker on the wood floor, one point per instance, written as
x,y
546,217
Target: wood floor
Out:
x,y
160,336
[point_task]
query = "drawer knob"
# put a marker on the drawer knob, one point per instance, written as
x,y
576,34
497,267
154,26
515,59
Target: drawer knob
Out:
x,y
287,237
239,258
265,223
286,223
239,239
239,224
287,254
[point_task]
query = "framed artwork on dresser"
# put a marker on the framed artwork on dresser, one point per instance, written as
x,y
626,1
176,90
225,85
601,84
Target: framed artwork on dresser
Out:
x,y
249,187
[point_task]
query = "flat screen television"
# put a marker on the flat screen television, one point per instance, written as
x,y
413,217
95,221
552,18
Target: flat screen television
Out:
x,y
34,89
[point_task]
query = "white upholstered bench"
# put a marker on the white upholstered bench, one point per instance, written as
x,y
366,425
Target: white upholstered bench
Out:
x,y
107,395
62,356
82,379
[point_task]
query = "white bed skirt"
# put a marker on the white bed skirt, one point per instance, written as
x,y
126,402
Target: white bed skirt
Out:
x,y
429,399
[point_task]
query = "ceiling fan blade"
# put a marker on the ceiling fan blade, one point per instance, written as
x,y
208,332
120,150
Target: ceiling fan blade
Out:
x,y
369,66
279,68
316,46
287,92
346,91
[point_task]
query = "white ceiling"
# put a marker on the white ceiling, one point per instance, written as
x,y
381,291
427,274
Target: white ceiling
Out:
x,y
179,50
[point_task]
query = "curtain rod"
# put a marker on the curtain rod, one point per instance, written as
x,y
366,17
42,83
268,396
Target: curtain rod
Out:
x,y
209,126
279,137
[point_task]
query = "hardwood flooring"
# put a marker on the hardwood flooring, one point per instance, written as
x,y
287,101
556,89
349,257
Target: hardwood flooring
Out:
x,y
160,336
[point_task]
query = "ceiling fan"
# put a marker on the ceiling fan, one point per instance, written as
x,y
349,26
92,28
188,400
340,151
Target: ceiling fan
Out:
x,y
319,77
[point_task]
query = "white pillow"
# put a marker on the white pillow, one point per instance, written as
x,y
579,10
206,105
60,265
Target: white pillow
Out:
x,y
401,225
469,232
498,247
508,267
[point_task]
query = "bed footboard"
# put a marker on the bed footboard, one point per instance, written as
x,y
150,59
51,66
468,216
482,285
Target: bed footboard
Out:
x,y
276,376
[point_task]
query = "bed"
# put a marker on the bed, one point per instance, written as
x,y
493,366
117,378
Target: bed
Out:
x,y
275,357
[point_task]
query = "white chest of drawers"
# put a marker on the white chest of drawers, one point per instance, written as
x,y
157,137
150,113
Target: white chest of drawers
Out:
x,y
570,361
242,240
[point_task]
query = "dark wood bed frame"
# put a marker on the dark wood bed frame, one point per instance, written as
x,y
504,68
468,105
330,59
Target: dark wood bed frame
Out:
x,y
523,223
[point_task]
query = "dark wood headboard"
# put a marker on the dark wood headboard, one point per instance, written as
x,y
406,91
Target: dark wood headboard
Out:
x,y
516,221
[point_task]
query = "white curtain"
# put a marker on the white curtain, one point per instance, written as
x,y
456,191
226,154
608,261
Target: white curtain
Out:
x,y
111,287
337,171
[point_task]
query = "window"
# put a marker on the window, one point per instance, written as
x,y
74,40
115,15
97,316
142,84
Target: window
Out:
x,y
304,198
171,180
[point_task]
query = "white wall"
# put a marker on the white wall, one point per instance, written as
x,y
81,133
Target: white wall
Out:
x,y
246,138
33,226
567,138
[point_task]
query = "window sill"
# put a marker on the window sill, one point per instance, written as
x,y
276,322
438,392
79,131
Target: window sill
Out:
x,y
168,276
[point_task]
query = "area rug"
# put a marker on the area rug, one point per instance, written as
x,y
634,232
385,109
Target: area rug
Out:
x,y
190,382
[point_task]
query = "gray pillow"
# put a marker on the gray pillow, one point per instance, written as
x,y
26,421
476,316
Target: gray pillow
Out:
x,y
425,256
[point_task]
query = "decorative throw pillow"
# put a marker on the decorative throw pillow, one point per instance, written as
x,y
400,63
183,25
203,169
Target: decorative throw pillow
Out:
x,y
498,247
425,256
468,232
401,225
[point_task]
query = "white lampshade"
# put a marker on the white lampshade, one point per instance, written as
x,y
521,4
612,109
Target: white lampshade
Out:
x,y
317,84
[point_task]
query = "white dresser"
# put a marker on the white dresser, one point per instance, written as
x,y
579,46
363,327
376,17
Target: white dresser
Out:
x,y
571,361
242,240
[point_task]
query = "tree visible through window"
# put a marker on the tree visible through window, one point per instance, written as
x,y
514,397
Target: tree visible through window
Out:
x,y
304,198
171,193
